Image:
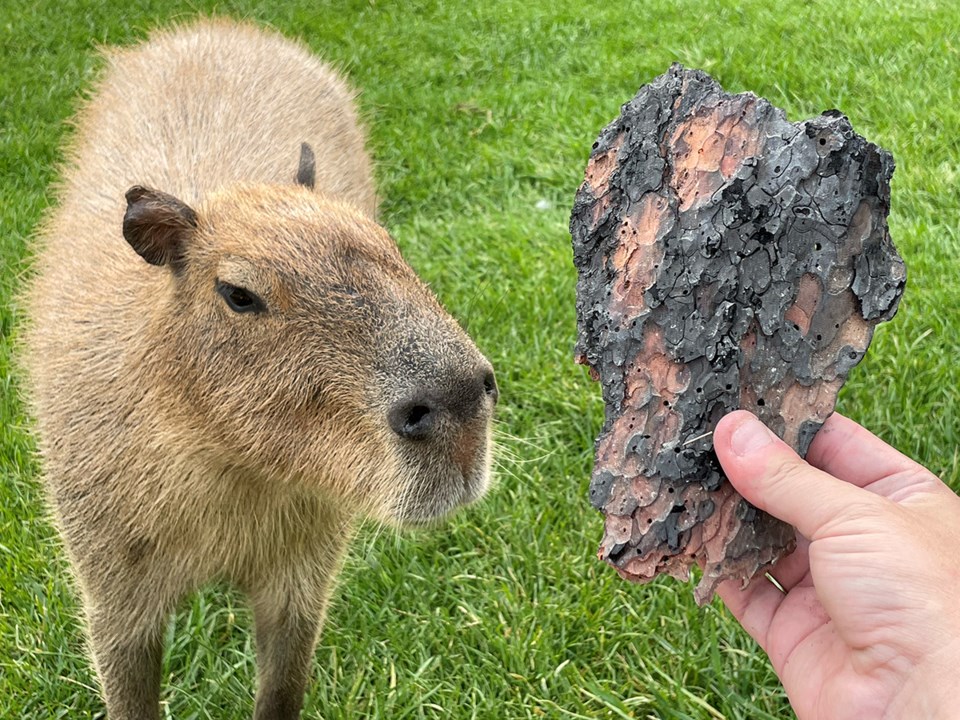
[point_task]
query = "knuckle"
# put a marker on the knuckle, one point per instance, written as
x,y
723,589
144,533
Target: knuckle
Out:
x,y
788,471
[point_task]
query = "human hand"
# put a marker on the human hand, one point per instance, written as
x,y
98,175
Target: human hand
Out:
x,y
868,624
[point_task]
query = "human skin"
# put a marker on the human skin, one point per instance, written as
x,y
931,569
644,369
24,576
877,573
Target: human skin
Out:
x,y
867,624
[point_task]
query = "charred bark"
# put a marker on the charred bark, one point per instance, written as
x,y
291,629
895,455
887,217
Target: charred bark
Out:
x,y
727,259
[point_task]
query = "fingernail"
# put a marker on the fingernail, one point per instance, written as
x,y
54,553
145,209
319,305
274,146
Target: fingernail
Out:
x,y
750,436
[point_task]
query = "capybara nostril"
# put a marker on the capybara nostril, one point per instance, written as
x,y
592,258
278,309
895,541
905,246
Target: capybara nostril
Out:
x,y
413,419
490,386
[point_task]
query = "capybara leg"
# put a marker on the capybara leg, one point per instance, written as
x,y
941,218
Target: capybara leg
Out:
x,y
128,663
286,633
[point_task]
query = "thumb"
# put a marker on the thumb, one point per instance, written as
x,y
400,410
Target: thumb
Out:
x,y
769,474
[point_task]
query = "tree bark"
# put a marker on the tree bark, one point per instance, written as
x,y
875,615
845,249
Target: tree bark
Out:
x,y
727,259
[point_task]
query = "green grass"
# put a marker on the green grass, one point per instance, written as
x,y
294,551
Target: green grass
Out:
x,y
479,111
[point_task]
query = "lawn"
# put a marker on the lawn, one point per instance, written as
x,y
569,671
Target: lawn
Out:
x,y
481,118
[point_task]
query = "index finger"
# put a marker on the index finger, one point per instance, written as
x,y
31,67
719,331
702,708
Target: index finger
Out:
x,y
852,453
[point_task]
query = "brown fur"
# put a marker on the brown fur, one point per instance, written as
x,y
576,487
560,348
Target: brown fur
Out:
x,y
183,441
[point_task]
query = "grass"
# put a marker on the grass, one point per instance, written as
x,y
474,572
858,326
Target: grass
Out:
x,y
482,115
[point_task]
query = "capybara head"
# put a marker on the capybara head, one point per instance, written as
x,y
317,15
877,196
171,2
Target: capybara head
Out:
x,y
291,340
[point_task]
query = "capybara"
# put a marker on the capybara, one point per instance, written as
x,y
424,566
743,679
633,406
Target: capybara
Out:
x,y
228,360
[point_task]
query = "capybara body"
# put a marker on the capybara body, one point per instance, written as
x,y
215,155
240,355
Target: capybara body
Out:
x,y
229,362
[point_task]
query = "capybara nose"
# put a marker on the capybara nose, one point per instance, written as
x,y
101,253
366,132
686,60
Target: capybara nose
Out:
x,y
418,416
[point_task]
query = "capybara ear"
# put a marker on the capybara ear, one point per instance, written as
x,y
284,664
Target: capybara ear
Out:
x,y
157,225
307,171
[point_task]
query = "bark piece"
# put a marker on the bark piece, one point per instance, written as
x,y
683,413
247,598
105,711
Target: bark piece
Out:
x,y
727,259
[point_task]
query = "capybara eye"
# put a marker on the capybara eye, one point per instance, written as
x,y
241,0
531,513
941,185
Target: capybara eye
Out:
x,y
240,299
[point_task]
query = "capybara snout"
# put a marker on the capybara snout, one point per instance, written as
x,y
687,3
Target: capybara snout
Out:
x,y
229,361
441,420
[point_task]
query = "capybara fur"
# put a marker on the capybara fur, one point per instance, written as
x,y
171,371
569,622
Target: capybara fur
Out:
x,y
228,360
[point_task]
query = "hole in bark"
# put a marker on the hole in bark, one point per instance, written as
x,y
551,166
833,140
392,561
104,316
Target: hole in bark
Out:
x,y
760,402
823,141
817,246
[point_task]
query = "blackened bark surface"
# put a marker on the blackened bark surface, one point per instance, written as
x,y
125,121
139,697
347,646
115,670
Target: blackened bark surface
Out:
x,y
727,259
